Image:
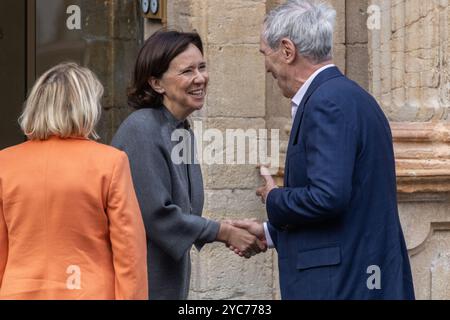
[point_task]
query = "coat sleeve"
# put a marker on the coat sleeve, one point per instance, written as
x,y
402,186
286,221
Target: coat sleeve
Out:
x,y
3,240
171,229
273,234
127,235
331,148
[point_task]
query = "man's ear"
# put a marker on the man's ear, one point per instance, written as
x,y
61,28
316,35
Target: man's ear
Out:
x,y
155,83
288,50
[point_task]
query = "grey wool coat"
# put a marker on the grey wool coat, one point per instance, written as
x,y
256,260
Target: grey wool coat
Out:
x,y
170,196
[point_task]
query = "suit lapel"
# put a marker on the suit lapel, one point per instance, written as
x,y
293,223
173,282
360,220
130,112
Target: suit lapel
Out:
x,y
322,77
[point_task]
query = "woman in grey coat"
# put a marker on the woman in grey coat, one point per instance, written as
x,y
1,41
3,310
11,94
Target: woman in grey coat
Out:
x,y
170,81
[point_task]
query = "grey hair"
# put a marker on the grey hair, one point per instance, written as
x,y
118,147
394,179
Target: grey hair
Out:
x,y
308,24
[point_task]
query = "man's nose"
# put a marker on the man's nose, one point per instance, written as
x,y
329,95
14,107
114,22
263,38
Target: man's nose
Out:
x,y
266,66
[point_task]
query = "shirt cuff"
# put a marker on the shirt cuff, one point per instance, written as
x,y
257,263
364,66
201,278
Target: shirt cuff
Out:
x,y
268,237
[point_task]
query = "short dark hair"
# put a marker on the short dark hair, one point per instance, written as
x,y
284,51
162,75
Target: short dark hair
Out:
x,y
153,61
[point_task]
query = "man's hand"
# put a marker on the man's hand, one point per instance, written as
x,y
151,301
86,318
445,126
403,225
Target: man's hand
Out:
x,y
251,225
254,227
268,186
242,241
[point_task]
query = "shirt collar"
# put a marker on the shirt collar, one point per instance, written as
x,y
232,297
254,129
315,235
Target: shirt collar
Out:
x,y
178,124
297,99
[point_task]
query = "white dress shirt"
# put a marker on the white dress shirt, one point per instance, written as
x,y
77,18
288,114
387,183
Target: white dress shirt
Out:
x,y
295,103
297,99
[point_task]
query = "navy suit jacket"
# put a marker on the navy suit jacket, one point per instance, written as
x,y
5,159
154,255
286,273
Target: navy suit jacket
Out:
x,y
335,223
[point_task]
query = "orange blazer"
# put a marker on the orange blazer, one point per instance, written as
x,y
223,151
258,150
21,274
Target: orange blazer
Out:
x,y
70,224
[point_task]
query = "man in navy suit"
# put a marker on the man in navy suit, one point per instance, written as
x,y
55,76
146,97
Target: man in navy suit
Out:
x,y
335,223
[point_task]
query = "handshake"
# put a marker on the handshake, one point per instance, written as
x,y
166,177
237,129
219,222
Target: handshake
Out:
x,y
245,237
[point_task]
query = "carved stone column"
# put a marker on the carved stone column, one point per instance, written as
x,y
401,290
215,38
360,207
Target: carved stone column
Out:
x,y
409,77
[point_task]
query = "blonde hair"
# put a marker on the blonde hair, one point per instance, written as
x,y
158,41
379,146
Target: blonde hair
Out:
x,y
64,101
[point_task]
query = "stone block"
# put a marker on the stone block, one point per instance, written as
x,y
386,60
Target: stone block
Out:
x,y
339,54
233,204
150,27
356,11
276,104
231,176
412,80
357,65
235,21
237,82
425,226
187,15
413,37
224,123
218,273
280,123
217,172
96,18
125,54
127,18
412,11
440,273
110,122
339,30
99,58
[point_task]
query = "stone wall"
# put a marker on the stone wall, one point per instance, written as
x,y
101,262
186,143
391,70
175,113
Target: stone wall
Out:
x,y
356,42
409,55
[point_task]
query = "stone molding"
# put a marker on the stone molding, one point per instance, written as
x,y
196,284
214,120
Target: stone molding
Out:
x,y
422,153
422,157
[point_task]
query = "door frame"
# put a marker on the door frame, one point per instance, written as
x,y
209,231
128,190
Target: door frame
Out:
x,y
31,43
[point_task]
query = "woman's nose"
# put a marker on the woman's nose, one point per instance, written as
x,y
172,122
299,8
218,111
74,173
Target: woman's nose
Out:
x,y
200,77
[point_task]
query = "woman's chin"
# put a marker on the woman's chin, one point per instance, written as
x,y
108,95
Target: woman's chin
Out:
x,y
198,106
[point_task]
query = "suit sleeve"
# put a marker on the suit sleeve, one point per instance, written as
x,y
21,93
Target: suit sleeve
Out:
x,y
331,148
273,233
3,240
127,235
166,224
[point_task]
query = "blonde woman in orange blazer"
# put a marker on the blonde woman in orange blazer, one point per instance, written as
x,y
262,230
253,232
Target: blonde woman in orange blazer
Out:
x,y
70,224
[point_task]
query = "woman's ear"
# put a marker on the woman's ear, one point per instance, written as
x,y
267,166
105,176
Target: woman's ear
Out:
x,y
156,85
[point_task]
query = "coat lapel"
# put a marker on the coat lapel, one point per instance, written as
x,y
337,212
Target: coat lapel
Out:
x,y
322,77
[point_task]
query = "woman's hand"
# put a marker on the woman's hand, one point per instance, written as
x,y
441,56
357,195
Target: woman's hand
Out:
x,y
240,240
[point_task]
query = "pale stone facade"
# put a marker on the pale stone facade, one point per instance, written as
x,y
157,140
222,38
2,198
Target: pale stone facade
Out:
x,y
409,77
402,62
